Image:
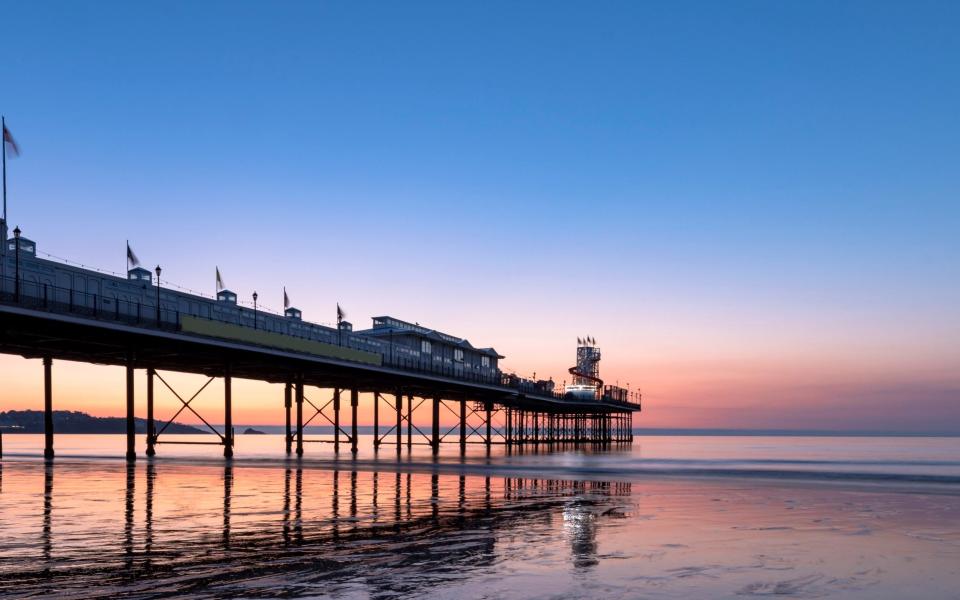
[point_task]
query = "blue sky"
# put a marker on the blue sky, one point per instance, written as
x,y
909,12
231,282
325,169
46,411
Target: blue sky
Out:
x,y
747,195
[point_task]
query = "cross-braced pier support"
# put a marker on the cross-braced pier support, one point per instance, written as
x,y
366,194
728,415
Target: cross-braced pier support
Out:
x,y
436,434
523,427
322,410
395,430
519,425
154,435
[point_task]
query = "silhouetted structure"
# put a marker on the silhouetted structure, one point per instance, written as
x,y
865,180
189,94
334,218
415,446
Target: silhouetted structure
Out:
x,y
51,310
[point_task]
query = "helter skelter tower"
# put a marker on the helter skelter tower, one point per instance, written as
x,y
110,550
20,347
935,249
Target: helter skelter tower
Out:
x,y
586,382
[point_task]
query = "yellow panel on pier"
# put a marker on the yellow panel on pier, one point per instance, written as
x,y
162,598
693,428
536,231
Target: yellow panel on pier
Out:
x,y
190,324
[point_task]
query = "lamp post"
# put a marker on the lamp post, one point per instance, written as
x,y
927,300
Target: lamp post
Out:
x,y
16,283
157,271
254,310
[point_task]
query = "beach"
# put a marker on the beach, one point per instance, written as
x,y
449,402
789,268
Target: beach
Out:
x,y
712,521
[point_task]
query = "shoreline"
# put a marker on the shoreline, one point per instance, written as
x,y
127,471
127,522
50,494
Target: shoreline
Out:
x,y
880,482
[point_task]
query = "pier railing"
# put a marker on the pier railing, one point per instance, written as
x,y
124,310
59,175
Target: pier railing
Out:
x,y
68,301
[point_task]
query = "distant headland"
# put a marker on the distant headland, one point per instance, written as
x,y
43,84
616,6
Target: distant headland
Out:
x,y
71,421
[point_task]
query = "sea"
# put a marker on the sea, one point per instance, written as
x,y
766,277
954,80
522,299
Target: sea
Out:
x,y
667,516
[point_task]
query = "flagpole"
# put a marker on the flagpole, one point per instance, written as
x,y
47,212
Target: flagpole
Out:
x,y
3,120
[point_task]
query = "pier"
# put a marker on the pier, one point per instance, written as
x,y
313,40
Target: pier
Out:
x,y
51,310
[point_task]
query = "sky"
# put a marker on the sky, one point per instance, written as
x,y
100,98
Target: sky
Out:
x,y
752,206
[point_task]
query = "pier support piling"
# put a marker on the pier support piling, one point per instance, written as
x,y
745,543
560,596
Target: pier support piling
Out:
x,y
463,427
487,408
336,420
131,426
299,401
354,402
151,424
47,407
227,413
398,397
435,438
287,402
409,423
376,421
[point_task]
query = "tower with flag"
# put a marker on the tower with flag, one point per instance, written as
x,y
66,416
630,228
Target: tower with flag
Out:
x,y
223,294
288,310
134,271
342,325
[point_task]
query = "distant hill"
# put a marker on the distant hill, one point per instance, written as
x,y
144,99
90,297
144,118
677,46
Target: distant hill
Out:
x,y
71,421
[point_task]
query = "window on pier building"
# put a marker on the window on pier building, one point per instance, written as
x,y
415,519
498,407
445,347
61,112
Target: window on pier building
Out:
x,y
25,246
485,361
140,274
425,347
458,354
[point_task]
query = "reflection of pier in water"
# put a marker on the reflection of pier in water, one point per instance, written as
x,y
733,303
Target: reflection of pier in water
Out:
x,y
375,526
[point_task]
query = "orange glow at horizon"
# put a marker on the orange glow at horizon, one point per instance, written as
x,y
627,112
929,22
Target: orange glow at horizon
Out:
x,y
696,394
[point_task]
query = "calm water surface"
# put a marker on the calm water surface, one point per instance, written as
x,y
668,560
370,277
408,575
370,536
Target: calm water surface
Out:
x,y
668,517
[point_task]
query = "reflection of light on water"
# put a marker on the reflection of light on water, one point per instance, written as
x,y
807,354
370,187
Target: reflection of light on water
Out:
x,y
182,524
580,527
242,530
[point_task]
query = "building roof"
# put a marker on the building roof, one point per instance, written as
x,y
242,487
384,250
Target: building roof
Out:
x,y
386,325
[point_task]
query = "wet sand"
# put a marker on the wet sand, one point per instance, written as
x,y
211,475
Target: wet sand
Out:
x,y
83,528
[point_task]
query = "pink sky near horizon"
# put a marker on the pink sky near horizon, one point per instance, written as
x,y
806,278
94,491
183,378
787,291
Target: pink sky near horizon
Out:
x,y
703,352
710,392
700,362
